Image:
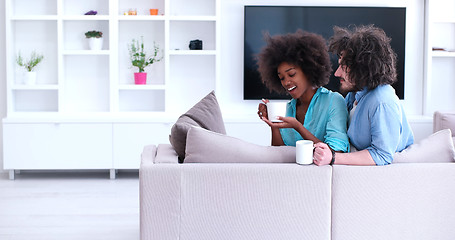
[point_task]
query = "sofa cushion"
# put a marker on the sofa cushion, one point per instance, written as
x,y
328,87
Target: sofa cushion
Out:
x,y
204,146
444,121
437,147
206,114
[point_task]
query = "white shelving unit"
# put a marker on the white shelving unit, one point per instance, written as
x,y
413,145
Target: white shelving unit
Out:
x,y
85,87
439,78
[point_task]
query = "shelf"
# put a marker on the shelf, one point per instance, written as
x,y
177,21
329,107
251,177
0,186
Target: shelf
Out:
x,y
192,18
35,87
142,87
34,17
440,33
444,20
81,92
141,18
442,54
104,78
86,52
192,8
182,32
85,17
142,101
31,7
90,117
38,100
192,52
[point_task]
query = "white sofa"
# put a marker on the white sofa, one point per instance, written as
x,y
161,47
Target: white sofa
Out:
x,y
289,201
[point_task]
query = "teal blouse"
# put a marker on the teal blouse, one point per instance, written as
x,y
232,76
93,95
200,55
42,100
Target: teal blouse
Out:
x,y
326,118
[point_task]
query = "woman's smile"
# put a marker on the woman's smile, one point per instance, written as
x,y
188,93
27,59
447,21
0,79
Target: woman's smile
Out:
x,y
291,88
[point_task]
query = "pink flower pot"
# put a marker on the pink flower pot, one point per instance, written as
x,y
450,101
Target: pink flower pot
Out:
x,y
140,78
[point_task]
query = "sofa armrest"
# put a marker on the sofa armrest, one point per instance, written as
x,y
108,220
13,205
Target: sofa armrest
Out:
x,y
148,154
394,202
166,154
159,191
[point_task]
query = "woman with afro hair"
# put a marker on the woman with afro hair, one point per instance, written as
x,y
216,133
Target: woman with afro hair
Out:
x,y
298,64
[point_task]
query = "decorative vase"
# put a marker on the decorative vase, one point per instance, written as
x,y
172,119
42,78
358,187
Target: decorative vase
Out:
x,y
29,78
140,78
153,11
95,43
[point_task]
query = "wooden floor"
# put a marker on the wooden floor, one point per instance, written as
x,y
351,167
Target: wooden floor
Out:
x,y
69,205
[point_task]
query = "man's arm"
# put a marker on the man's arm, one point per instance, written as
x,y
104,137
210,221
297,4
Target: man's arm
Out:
x,y
385,125
355,158
323,156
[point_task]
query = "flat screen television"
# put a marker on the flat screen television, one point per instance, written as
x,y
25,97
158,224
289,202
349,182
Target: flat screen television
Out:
x,y
320,20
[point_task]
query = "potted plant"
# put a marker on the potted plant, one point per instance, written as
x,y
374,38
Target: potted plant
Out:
x,y
95,39
29,65
140,59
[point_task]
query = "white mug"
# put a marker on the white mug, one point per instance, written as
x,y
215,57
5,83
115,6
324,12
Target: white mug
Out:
x,y
275,109
304,152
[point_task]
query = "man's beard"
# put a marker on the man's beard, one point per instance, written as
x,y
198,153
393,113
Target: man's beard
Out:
x,y
347,87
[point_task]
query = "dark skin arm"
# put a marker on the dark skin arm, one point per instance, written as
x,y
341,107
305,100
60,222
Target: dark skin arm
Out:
x,y
287,122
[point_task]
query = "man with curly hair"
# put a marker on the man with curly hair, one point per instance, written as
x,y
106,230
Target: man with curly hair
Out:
x,y
377,125
299,64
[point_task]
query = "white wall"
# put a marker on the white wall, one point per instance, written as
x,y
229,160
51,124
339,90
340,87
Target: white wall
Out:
x,y
230,90
2,76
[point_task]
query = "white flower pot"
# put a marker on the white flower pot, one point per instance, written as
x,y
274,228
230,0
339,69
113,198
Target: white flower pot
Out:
x,y
29,78
95,43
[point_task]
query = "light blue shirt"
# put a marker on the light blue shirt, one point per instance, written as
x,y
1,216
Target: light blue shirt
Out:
x,y
379,123
326,118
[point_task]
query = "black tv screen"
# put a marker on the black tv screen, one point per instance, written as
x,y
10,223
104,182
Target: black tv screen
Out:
x,y
320,20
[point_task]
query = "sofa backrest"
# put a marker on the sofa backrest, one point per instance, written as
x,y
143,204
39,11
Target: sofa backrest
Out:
x,y
444,120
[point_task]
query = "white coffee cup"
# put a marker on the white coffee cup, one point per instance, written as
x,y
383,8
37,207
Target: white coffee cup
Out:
x,y
276,109
304,152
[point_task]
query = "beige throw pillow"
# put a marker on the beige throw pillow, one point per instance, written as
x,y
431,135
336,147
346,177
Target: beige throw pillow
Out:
x,y
436,148
206,114
204,146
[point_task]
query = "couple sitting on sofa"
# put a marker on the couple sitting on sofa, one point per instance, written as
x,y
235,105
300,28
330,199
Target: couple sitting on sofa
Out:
x,y
370,120
299,64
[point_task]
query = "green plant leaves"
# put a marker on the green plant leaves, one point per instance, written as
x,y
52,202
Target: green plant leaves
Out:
x,y
138,55
31,63
94,34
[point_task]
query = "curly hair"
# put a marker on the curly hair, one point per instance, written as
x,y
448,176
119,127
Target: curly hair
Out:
x,y
367,55
303,49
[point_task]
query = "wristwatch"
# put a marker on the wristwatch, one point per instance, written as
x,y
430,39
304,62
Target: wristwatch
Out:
x,y
333,157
